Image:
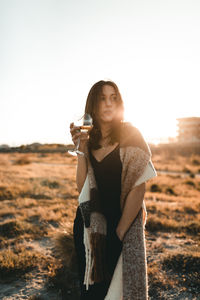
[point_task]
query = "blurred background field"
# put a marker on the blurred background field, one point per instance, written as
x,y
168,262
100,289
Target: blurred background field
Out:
x,y
38,200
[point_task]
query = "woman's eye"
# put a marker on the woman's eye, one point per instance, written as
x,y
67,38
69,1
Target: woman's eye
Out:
x,y
103,98
114,98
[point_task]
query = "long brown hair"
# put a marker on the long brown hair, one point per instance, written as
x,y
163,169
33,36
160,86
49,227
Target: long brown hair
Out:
x,y
91,108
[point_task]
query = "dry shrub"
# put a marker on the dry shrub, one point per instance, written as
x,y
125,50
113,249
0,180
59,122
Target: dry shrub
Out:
x,y
63,275
16,228
186,170
170,191
66,281
8,193
161,224
190,182
158,280
196,162
192,228
182,262
18,261
174,186
42,155
50,184
24,160
187,265
36,196
155,188
190,210
171,225
174,210
36,297
152,209
64,247
14,191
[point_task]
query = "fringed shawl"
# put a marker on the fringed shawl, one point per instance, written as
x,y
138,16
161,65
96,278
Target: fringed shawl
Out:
x,y
135,155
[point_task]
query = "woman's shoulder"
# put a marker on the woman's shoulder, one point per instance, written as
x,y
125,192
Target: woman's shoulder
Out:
x,y
130,135
127,130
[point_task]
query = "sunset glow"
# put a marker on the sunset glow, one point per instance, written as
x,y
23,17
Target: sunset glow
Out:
x,y
53,53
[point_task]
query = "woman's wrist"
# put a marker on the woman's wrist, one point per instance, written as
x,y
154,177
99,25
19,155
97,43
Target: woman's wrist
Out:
x,y
82,147
120,234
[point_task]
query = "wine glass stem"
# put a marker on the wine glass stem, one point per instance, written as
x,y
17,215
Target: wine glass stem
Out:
x,y
78,144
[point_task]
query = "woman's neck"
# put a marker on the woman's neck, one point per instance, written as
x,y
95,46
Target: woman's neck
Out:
x,y
105,130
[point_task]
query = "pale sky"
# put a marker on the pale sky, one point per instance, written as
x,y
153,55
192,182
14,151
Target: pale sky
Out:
x,y
52,52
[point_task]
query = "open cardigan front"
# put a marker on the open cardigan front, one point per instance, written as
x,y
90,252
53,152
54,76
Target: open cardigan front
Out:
x,y
130,276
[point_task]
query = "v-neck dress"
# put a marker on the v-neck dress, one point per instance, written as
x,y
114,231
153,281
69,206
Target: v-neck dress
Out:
x,y
108,178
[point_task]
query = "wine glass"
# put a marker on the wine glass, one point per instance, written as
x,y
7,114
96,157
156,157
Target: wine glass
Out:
x,y
85,124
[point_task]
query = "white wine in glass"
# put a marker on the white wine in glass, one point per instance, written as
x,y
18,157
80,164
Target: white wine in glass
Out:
x,y
85,128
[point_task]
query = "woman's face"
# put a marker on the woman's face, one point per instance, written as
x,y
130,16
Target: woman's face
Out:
x,y
108,108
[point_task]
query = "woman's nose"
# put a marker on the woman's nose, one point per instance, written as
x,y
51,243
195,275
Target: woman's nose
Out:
x,y
108,102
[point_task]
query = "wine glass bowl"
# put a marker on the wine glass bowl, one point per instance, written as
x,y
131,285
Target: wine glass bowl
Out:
x,y
87,123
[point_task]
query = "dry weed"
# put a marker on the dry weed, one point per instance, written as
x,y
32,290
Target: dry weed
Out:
x,y
18,261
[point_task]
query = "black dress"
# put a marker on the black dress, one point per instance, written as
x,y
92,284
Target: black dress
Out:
x,y
108,178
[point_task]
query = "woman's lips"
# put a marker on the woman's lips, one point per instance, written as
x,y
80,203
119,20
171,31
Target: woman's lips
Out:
x,y
107,111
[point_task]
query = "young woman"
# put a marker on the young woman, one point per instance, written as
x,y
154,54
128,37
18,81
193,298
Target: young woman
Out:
x,y
114,162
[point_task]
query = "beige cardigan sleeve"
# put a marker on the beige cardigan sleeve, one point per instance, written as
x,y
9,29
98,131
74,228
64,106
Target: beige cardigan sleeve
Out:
x,y
148,174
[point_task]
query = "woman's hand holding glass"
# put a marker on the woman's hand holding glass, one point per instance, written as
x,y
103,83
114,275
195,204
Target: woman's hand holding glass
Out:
x,y
80,134
79,137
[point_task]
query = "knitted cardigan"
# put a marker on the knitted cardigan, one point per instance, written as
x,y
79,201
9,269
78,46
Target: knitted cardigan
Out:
x,y
135,154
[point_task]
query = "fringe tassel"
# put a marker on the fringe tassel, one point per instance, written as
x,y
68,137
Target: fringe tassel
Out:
x,y
98,247
88,259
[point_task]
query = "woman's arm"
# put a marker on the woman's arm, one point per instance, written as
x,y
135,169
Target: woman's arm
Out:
x,y
81,170
132,206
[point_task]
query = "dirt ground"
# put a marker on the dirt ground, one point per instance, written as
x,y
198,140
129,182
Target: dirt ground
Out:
x,y
38,200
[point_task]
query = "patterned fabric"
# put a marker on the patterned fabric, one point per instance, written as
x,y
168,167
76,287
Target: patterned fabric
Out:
x,y
135,156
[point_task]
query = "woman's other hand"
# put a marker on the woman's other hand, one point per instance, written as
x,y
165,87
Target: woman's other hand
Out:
x,y
76,134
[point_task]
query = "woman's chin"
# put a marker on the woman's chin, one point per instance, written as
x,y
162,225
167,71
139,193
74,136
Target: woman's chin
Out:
x,y
107,120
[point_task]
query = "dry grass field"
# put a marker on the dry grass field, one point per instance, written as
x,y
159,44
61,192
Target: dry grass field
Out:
x,y
38,200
